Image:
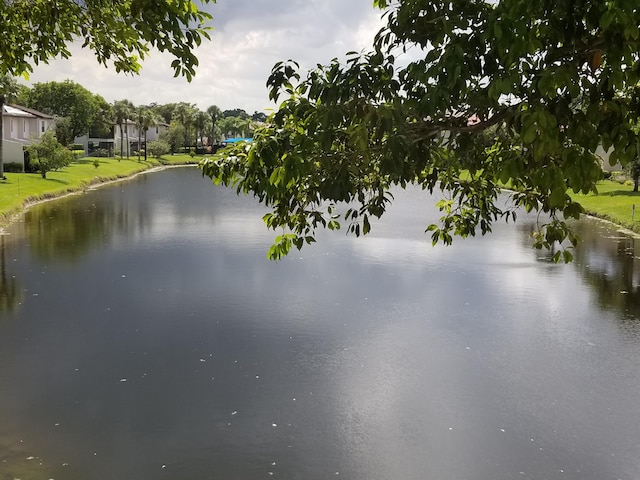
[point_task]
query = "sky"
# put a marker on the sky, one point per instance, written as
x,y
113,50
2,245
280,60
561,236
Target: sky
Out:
x,y
248,38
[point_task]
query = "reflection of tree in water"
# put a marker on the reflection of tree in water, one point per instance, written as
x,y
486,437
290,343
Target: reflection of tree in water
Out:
x,y
527,227
606,259
10,293
67,230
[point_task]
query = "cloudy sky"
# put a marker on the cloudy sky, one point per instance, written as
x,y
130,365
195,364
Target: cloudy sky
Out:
x,y
249,37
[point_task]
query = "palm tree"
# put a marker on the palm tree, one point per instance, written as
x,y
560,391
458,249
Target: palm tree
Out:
x,y
184,113
149,119
139,114
201,123
122,110
214,112
145,119
9,88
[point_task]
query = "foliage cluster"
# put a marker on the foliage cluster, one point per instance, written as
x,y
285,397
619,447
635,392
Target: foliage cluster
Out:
x,y
455,95
78,111
119,33
157,148
48,154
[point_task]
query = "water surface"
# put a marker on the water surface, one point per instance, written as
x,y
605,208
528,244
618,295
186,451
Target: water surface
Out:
x,y
143,334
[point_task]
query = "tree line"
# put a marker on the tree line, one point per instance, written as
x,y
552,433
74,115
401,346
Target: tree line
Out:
x,y
80,112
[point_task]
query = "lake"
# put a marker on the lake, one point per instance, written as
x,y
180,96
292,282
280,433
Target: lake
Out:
x,y
144,335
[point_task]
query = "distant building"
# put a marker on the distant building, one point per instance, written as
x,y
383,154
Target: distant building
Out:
x,y
21,127
111,144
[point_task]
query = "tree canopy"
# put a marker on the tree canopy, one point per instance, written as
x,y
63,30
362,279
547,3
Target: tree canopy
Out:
x,y
48,154
120,33
464,96
82,109
235,112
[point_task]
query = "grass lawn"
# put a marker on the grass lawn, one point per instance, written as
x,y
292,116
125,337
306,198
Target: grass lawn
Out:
x,y
21,189
613,202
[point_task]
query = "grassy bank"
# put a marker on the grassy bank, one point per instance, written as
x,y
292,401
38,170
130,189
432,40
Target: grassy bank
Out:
x,y
22,189
614,202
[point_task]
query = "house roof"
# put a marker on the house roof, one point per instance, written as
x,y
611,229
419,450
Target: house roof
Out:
x,y
19,111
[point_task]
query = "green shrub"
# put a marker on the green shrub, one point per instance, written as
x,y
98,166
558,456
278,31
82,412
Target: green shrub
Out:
x,y
157,148
12,167
48,154
100,152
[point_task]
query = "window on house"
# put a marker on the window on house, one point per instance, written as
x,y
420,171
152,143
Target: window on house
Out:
x,y
42,126
24,126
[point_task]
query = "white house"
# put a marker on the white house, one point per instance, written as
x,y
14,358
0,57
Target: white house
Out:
x,y
21,127
113,142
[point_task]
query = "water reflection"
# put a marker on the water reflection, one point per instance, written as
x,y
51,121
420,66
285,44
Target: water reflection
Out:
x,y
607,260
10,294
66,230
170,348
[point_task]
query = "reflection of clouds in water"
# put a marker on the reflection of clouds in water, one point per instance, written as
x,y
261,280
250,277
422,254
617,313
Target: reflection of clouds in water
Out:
x,y
394,384
406,361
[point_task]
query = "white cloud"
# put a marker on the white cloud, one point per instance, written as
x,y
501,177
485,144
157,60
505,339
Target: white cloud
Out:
x,y
249,37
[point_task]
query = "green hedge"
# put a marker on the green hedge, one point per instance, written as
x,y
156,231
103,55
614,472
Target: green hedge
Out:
x,y
12,167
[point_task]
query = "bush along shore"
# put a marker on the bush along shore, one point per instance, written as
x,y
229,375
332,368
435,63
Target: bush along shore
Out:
x,y
20,190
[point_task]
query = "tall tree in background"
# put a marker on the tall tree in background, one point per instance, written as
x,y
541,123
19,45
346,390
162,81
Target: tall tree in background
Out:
x,y
201,123
214,113
466,96
122,110
184,113
259,117
102,124
164,112
139,113
149,119
69,100
235,112
145,119
175,136
8,90
119,33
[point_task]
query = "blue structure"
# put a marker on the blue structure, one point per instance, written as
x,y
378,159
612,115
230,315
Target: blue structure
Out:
x,y
238,139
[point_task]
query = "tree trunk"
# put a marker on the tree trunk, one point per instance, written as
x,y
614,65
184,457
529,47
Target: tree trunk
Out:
x,y
126,131
1,138
121,144
636,179
145,144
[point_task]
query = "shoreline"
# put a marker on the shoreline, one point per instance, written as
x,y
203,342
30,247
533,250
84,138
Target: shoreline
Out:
x,y
617,226
12,218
